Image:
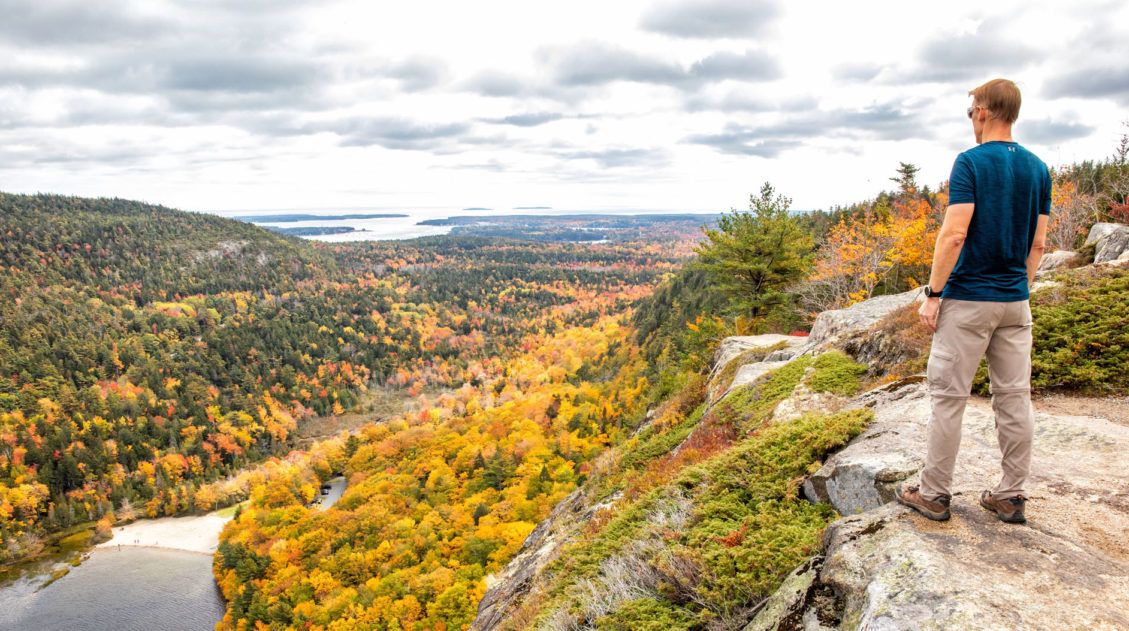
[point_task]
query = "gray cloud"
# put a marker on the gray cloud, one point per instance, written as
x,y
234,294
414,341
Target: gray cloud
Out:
x,y
744,101
886,122
224,73
493,83
969,57
592,63
710,18
616,157
27,148
1051,132
392,132
856,71
752,65
492,164
528,119
418,72
881,122
54,22
746,141
1099,81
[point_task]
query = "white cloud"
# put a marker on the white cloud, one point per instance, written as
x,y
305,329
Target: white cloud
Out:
x,y
639,104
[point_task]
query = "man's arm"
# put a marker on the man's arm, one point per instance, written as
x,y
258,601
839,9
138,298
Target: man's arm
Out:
x,y
1037,248
950,241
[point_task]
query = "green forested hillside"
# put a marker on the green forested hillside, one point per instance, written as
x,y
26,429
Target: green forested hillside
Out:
x,y
143,251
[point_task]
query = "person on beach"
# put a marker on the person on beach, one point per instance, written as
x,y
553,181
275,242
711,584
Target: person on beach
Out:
x,y
976,302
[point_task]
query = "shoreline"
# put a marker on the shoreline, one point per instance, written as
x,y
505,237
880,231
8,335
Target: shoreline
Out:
x,y
191,533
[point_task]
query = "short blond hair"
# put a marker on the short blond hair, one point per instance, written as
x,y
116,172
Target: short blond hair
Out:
x,y
1000,97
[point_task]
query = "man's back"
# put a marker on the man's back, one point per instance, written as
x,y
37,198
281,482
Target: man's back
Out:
x,y
1010,187
988,248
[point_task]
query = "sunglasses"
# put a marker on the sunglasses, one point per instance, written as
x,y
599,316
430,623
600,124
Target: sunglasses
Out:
x,y
973,108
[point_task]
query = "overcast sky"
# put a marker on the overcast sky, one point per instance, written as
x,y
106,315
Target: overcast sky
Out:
x,y
690,105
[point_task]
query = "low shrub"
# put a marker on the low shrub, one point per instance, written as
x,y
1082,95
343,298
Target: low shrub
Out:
x,y
1081,333
647,614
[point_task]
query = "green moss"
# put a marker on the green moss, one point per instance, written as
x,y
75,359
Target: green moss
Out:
x,y
749,530
584,558
837,373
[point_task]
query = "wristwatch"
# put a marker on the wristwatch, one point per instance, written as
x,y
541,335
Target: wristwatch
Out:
x,y
929,293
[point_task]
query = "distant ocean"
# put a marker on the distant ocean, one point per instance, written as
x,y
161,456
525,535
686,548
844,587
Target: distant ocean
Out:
x,y
374,229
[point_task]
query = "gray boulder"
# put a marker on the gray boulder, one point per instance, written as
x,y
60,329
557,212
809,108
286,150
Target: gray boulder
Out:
x,y
1110,240
835,325
1059,259
789,601
734,345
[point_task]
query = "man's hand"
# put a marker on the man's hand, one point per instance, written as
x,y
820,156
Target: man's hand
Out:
x,y
928,312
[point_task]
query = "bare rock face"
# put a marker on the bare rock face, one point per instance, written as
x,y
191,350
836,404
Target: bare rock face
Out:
x,y
734,345
1059,259
731,348
1110,241
1067,568
797,604
505,590
863,475
749,373
832,326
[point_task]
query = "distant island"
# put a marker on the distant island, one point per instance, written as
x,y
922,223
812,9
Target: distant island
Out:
x,y
591,218
315,231
477,208
577,227
291,217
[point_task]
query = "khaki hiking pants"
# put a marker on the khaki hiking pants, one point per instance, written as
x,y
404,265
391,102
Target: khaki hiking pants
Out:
x,y
966,330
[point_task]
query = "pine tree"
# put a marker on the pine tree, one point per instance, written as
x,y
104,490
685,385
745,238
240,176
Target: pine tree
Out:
x,y
754,256
906,178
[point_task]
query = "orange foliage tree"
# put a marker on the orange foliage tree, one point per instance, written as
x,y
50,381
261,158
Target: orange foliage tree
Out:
x,y
888,246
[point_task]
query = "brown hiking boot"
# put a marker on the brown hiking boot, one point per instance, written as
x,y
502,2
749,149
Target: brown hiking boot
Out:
x,y
910,495
1009,510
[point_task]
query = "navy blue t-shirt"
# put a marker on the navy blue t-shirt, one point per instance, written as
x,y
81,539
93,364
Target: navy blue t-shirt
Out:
x,y
1010,187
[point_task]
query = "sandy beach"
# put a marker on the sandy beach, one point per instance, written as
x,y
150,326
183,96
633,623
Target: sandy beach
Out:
x,y
197,533
194,533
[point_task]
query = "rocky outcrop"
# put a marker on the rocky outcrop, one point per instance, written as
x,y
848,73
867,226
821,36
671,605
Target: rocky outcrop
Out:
x,y
831,327
1110,241
731,347
802,602
1067,568
749,373
804,400
725,376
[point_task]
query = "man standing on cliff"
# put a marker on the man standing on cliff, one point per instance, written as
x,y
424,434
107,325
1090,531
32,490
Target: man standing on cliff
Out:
x,y
976,302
